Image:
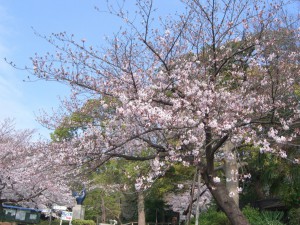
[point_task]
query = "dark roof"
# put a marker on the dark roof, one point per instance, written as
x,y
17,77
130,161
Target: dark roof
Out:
x,y
271,203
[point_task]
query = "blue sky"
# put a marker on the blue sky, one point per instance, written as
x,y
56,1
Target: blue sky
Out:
x,y
24,100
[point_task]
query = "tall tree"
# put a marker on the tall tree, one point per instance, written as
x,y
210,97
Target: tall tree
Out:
x,y
171,94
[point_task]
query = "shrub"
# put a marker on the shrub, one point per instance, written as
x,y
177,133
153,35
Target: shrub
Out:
x,y
83,222
272,217
262,218
74,222
253,215
53,222
213,217
294,216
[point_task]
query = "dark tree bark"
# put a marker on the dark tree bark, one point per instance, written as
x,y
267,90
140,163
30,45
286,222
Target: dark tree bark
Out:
x,y
226,203
231,172
218,188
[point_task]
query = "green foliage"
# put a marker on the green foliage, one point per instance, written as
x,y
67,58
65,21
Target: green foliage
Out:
x,y
271,177
154,205
129,207
98,198
74,222
53,222
92,204
253,215
62,133
154,209
176,174
83,222
213,217
262,218
110,173
294,216
290,188
236,63
297,90
115,181
90,112
110,179
272,217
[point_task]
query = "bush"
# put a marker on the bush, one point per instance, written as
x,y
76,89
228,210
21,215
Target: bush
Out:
x,y
83,222
262,218
272,217
53,222
213,217
74,222
294,216
253,215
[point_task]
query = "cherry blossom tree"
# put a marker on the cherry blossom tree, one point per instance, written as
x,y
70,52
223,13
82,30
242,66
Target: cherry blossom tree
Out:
x,y
183,90
29,176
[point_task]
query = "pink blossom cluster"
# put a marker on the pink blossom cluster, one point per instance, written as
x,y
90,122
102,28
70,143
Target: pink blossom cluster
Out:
x,y
30,172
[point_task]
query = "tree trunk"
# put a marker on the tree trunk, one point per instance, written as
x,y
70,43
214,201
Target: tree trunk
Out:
x,y
141,209
198,198
231,172
103,210
226,203
188,217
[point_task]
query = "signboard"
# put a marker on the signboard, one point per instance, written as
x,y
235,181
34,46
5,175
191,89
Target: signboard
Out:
x,y
58,207
65,215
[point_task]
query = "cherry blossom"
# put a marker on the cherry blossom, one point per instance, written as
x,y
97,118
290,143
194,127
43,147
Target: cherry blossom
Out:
x,y
29,175
217,179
